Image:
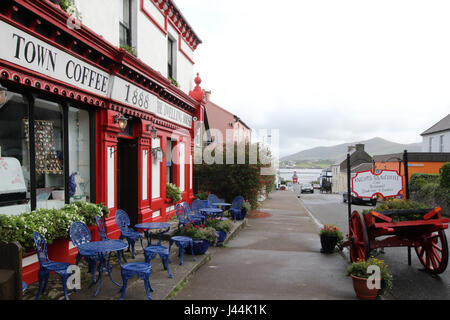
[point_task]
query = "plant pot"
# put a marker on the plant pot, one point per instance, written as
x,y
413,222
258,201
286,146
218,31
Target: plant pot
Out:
x,y
222,235
361,289
200,247
59,251
328,243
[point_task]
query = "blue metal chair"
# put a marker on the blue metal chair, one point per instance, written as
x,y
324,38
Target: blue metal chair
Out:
x,y
237,210
212,198
142,269
153,250
183,219
79,234
123,223
46,266
101,228
198,204
191,214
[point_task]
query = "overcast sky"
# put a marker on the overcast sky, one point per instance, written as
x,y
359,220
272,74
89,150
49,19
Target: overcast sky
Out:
x,y
326,72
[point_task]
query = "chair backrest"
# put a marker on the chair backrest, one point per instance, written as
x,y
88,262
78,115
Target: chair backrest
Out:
x,y
179,210
187,208
198,204
122,220
79,233
101,228
238,202
41,247
212,198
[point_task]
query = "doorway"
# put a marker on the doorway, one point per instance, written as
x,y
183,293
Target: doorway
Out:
x,y
127,178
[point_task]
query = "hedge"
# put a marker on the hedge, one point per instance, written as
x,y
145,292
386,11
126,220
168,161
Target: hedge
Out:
x,y
418,180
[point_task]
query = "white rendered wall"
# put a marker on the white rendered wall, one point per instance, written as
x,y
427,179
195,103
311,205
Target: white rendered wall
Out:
x,y
435,146
102,17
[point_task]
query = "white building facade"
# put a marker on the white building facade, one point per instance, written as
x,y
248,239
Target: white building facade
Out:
x,y
154,29
437,138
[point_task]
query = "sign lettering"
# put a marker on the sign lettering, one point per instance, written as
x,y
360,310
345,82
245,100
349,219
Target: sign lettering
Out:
x,y
366,184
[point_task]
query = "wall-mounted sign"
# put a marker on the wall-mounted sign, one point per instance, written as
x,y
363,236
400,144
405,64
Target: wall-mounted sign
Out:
x,y
128,93
27,51
387,183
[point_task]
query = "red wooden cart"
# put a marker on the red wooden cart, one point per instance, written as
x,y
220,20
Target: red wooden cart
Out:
x,y
426,236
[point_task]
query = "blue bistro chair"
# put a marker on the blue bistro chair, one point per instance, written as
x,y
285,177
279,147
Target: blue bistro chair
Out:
x,y
123,223
101,228
142,269
153,250
198,204
237,209
191,214
182,217
46,266
79,234
212,198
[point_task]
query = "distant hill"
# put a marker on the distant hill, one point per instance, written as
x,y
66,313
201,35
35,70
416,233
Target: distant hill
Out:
x,y
375,146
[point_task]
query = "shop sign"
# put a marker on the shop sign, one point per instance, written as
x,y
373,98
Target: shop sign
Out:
x,y
27,51
128,93
387,183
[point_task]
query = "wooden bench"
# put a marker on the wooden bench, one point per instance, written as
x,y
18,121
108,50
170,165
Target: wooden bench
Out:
x,y
10,271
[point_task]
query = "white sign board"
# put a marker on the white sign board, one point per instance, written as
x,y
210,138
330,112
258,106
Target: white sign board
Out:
x,y
387,183
30,52
128,93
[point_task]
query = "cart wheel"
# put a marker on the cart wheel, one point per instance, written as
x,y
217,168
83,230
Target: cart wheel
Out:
x,y
433,252
359,241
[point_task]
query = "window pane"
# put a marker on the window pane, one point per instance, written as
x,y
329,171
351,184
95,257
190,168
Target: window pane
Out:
x,y
125,14
49,154
14,156
79,155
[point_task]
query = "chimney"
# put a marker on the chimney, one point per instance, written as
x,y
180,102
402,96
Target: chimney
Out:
x,y
208,95
360,147
350,148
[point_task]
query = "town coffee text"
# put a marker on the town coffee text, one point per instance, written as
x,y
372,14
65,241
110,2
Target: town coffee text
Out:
x,y
32,53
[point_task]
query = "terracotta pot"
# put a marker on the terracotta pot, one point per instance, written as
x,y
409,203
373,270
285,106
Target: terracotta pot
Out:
x,y
328,243
361,289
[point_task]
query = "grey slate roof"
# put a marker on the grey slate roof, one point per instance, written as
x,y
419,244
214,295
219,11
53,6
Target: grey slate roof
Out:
x,y
442,125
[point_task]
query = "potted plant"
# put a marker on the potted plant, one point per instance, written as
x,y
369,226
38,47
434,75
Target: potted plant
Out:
x,y
173,193
330,236
221,227
365,277
202,236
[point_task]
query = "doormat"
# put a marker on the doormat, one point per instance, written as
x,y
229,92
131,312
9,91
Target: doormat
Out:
x,y
258,214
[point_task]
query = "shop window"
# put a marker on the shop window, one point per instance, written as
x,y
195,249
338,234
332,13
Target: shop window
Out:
x,y
79,155
49,154
15,170
125,24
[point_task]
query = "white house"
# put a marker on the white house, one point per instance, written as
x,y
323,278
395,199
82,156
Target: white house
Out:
x,y
437,138
156,29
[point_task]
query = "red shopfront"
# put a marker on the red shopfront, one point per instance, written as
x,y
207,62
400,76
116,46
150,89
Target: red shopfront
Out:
x,y
72,88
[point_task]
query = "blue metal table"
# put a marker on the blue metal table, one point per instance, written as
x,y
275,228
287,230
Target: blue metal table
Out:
x,y
163,226
182,243
210,211
102,248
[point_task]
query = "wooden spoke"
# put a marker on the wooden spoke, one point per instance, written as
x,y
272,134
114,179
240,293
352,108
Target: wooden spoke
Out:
x,y
359,244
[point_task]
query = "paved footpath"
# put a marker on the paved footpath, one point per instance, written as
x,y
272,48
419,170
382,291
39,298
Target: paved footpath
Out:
x,y
276,258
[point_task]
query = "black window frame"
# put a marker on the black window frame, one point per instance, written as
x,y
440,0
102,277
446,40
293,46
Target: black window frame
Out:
x,y
30,98
123,26
170,57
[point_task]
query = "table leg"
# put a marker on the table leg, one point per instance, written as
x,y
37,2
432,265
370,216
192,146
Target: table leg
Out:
x,y
109,269
181,251
100,274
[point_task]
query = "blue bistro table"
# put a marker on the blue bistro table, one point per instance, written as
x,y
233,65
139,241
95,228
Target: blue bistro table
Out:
x,y
162,226
102,248
210,211
182,243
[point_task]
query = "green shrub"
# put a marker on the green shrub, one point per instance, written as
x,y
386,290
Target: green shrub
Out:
x,y
397,204
218,224
230,180
199,232
173,192
444,180
51,223
202,195
418,180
